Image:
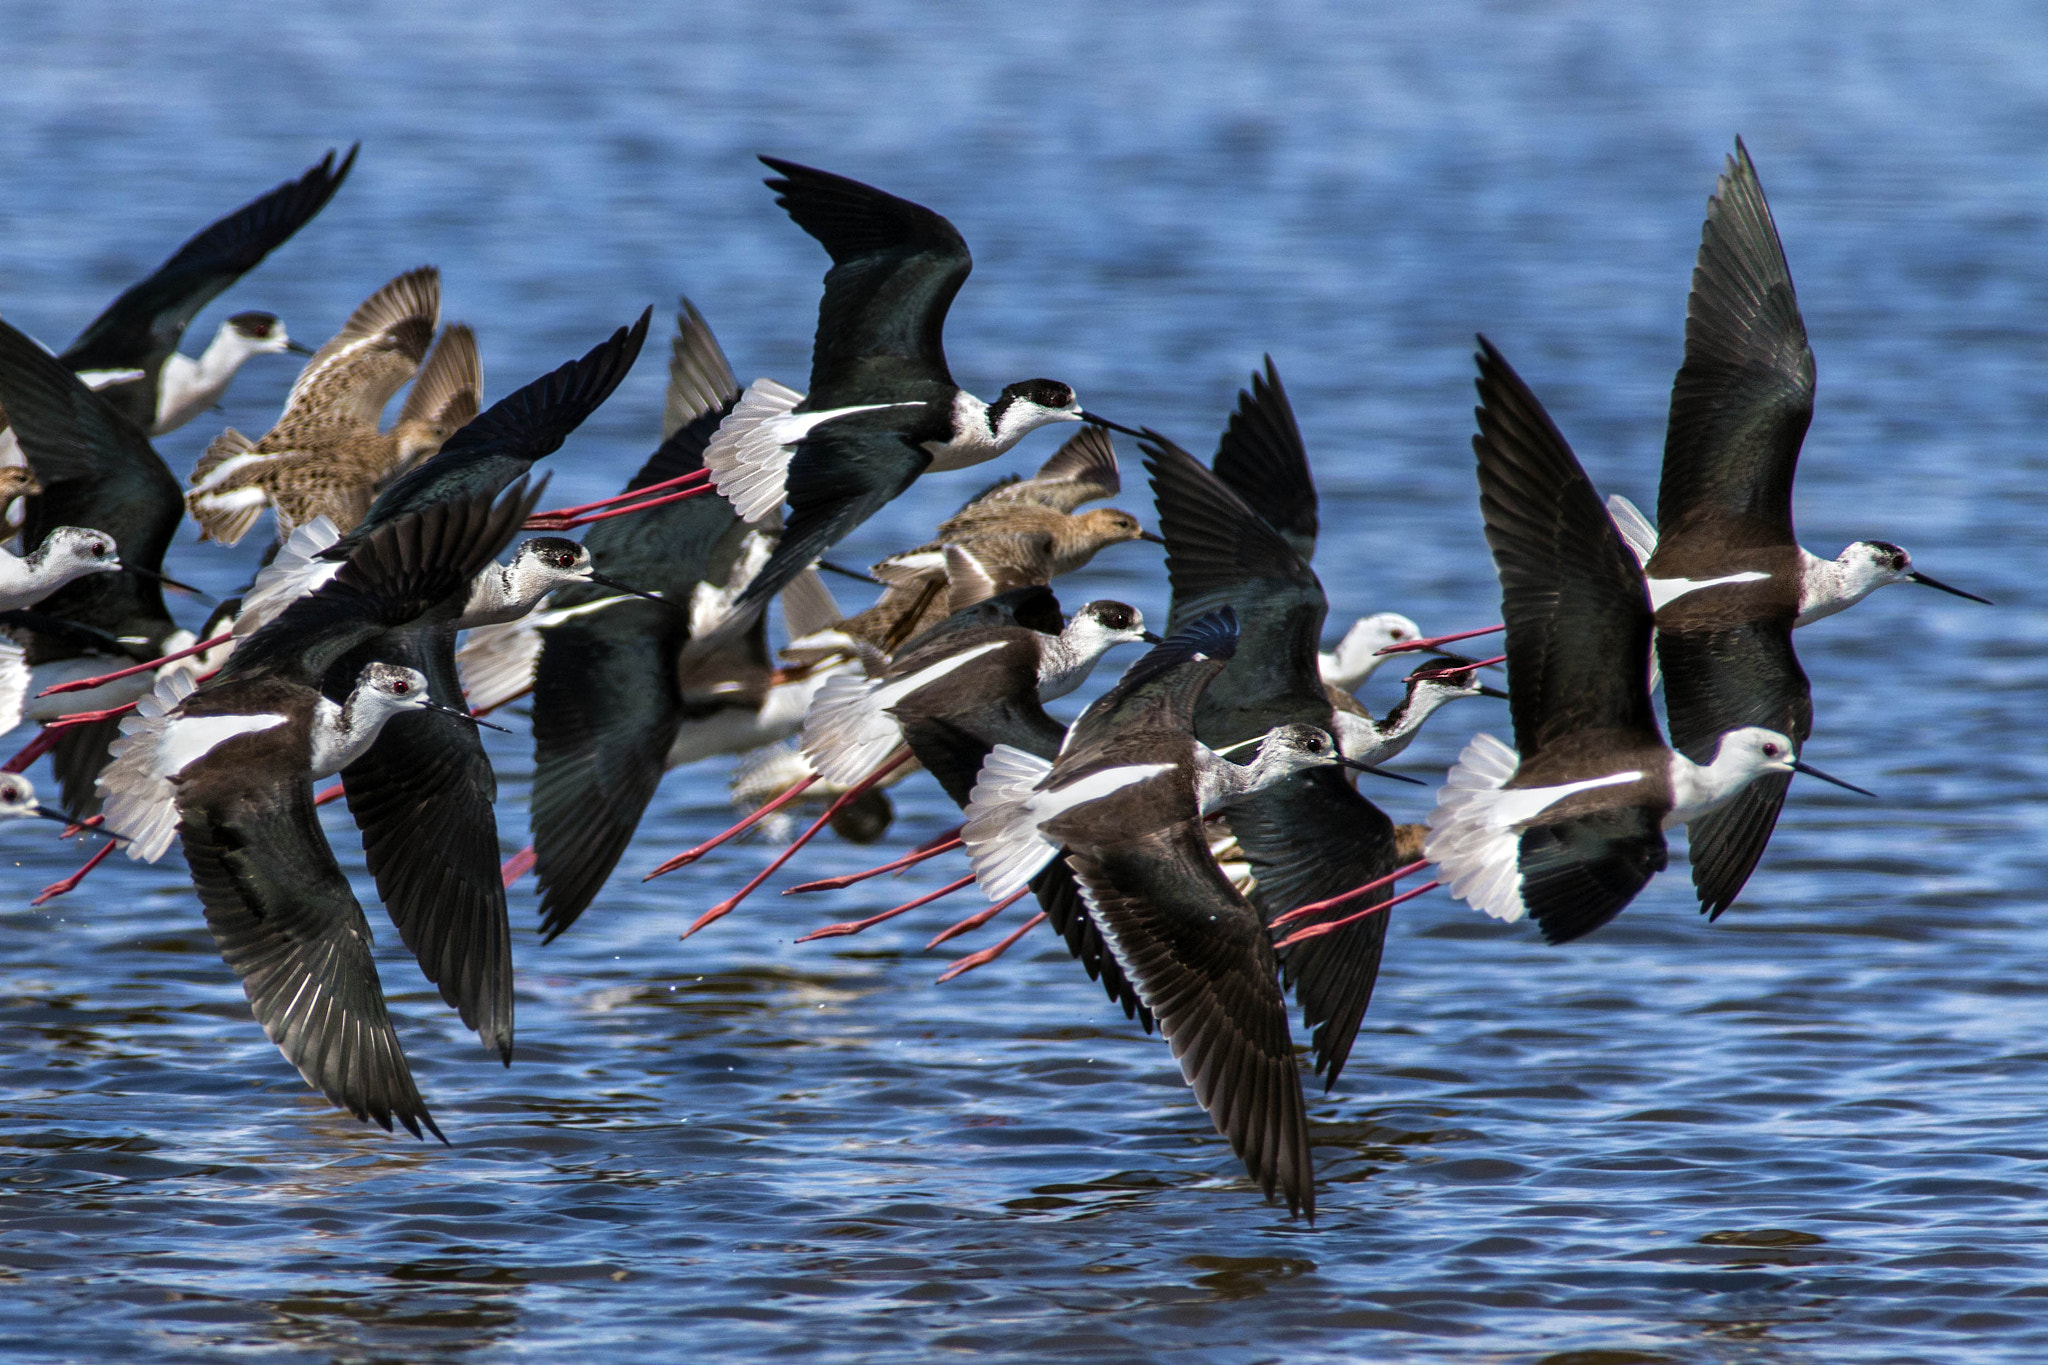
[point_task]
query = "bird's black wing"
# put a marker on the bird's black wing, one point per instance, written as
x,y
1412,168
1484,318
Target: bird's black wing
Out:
x,y
844,472
393,576
1308,837
1203,965
700,382
286,922
98,471
1744,394
605,712
1716,681
1219,552
1580,873
1577,610
895,269
1262,459
502,443
422,797
140,329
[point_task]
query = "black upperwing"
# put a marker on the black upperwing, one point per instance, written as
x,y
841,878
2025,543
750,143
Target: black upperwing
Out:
x,y
98,471
502,444
1263,460
286,922
1716,680
140,329
844,472
1573,597
895,269
1203,964
1744,395
1311,835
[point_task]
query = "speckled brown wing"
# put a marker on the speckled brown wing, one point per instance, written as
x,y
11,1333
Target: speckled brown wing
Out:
x,y
344,389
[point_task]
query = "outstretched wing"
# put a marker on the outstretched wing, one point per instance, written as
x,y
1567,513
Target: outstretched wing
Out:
x,y
1716,681
605,712
99,471
895,269
1744,395
1577,611
1204,967
1262,460
422,797
286,922
513,432
140,329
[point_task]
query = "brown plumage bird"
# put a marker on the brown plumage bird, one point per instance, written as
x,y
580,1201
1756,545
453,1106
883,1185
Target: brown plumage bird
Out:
x,y
327,455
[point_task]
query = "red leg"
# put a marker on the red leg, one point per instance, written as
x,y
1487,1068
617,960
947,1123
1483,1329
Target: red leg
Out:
x,y
988,955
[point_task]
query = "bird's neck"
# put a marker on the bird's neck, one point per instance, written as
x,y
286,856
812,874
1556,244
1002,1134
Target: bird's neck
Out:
x,y
494,598
1700,788
1827,586
187,387
973,441
1065,661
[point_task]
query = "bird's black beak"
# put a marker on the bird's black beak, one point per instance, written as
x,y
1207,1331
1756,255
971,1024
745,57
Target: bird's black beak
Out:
x,y
1379,772
855,574
1092,420
1924,581
616,586
1152,638
1486,691
459,711
44,812
299,348
1154,538
1802,767
171,582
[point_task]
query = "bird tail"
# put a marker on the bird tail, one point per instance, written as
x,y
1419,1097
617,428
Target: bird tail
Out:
x,y
225,514
1476,856
140,801
1004,846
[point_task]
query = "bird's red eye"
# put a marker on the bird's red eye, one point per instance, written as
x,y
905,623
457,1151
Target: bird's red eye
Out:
x,y
1770,751
98,548
401,687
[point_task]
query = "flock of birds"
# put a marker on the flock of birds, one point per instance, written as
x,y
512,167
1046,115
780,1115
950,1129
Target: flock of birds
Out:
x,y
1196,836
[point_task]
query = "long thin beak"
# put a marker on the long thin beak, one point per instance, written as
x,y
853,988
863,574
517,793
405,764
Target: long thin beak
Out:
x,y
46,813
1153,639
1379,772
1155,539
1092,420
1924,581
299,348
459,711
616,586
1434,642
1799,766
829,567
1486,691
171,582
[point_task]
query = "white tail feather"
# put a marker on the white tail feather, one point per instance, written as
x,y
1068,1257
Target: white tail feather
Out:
x,y
296,571
1635,528
140,800
846,732
1004,845
747,456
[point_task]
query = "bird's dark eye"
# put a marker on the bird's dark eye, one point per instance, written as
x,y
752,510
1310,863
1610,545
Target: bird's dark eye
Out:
x,y
1770,751
98,548
401,687
9,794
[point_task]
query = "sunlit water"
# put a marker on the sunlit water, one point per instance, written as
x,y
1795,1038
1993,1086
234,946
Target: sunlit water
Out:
x,y
1812,1131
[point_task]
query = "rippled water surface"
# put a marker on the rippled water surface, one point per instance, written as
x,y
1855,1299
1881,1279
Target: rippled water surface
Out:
x,y
1812,1131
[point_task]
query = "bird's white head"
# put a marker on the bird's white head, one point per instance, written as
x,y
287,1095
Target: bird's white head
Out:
x,y
1288,749
1093,631
1865,567
1024,407
256,333
545,563
1358,654
383,690
71,552
1752,751
17,797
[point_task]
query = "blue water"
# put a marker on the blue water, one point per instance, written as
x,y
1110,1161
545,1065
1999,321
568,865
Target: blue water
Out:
x,y
1813,1131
